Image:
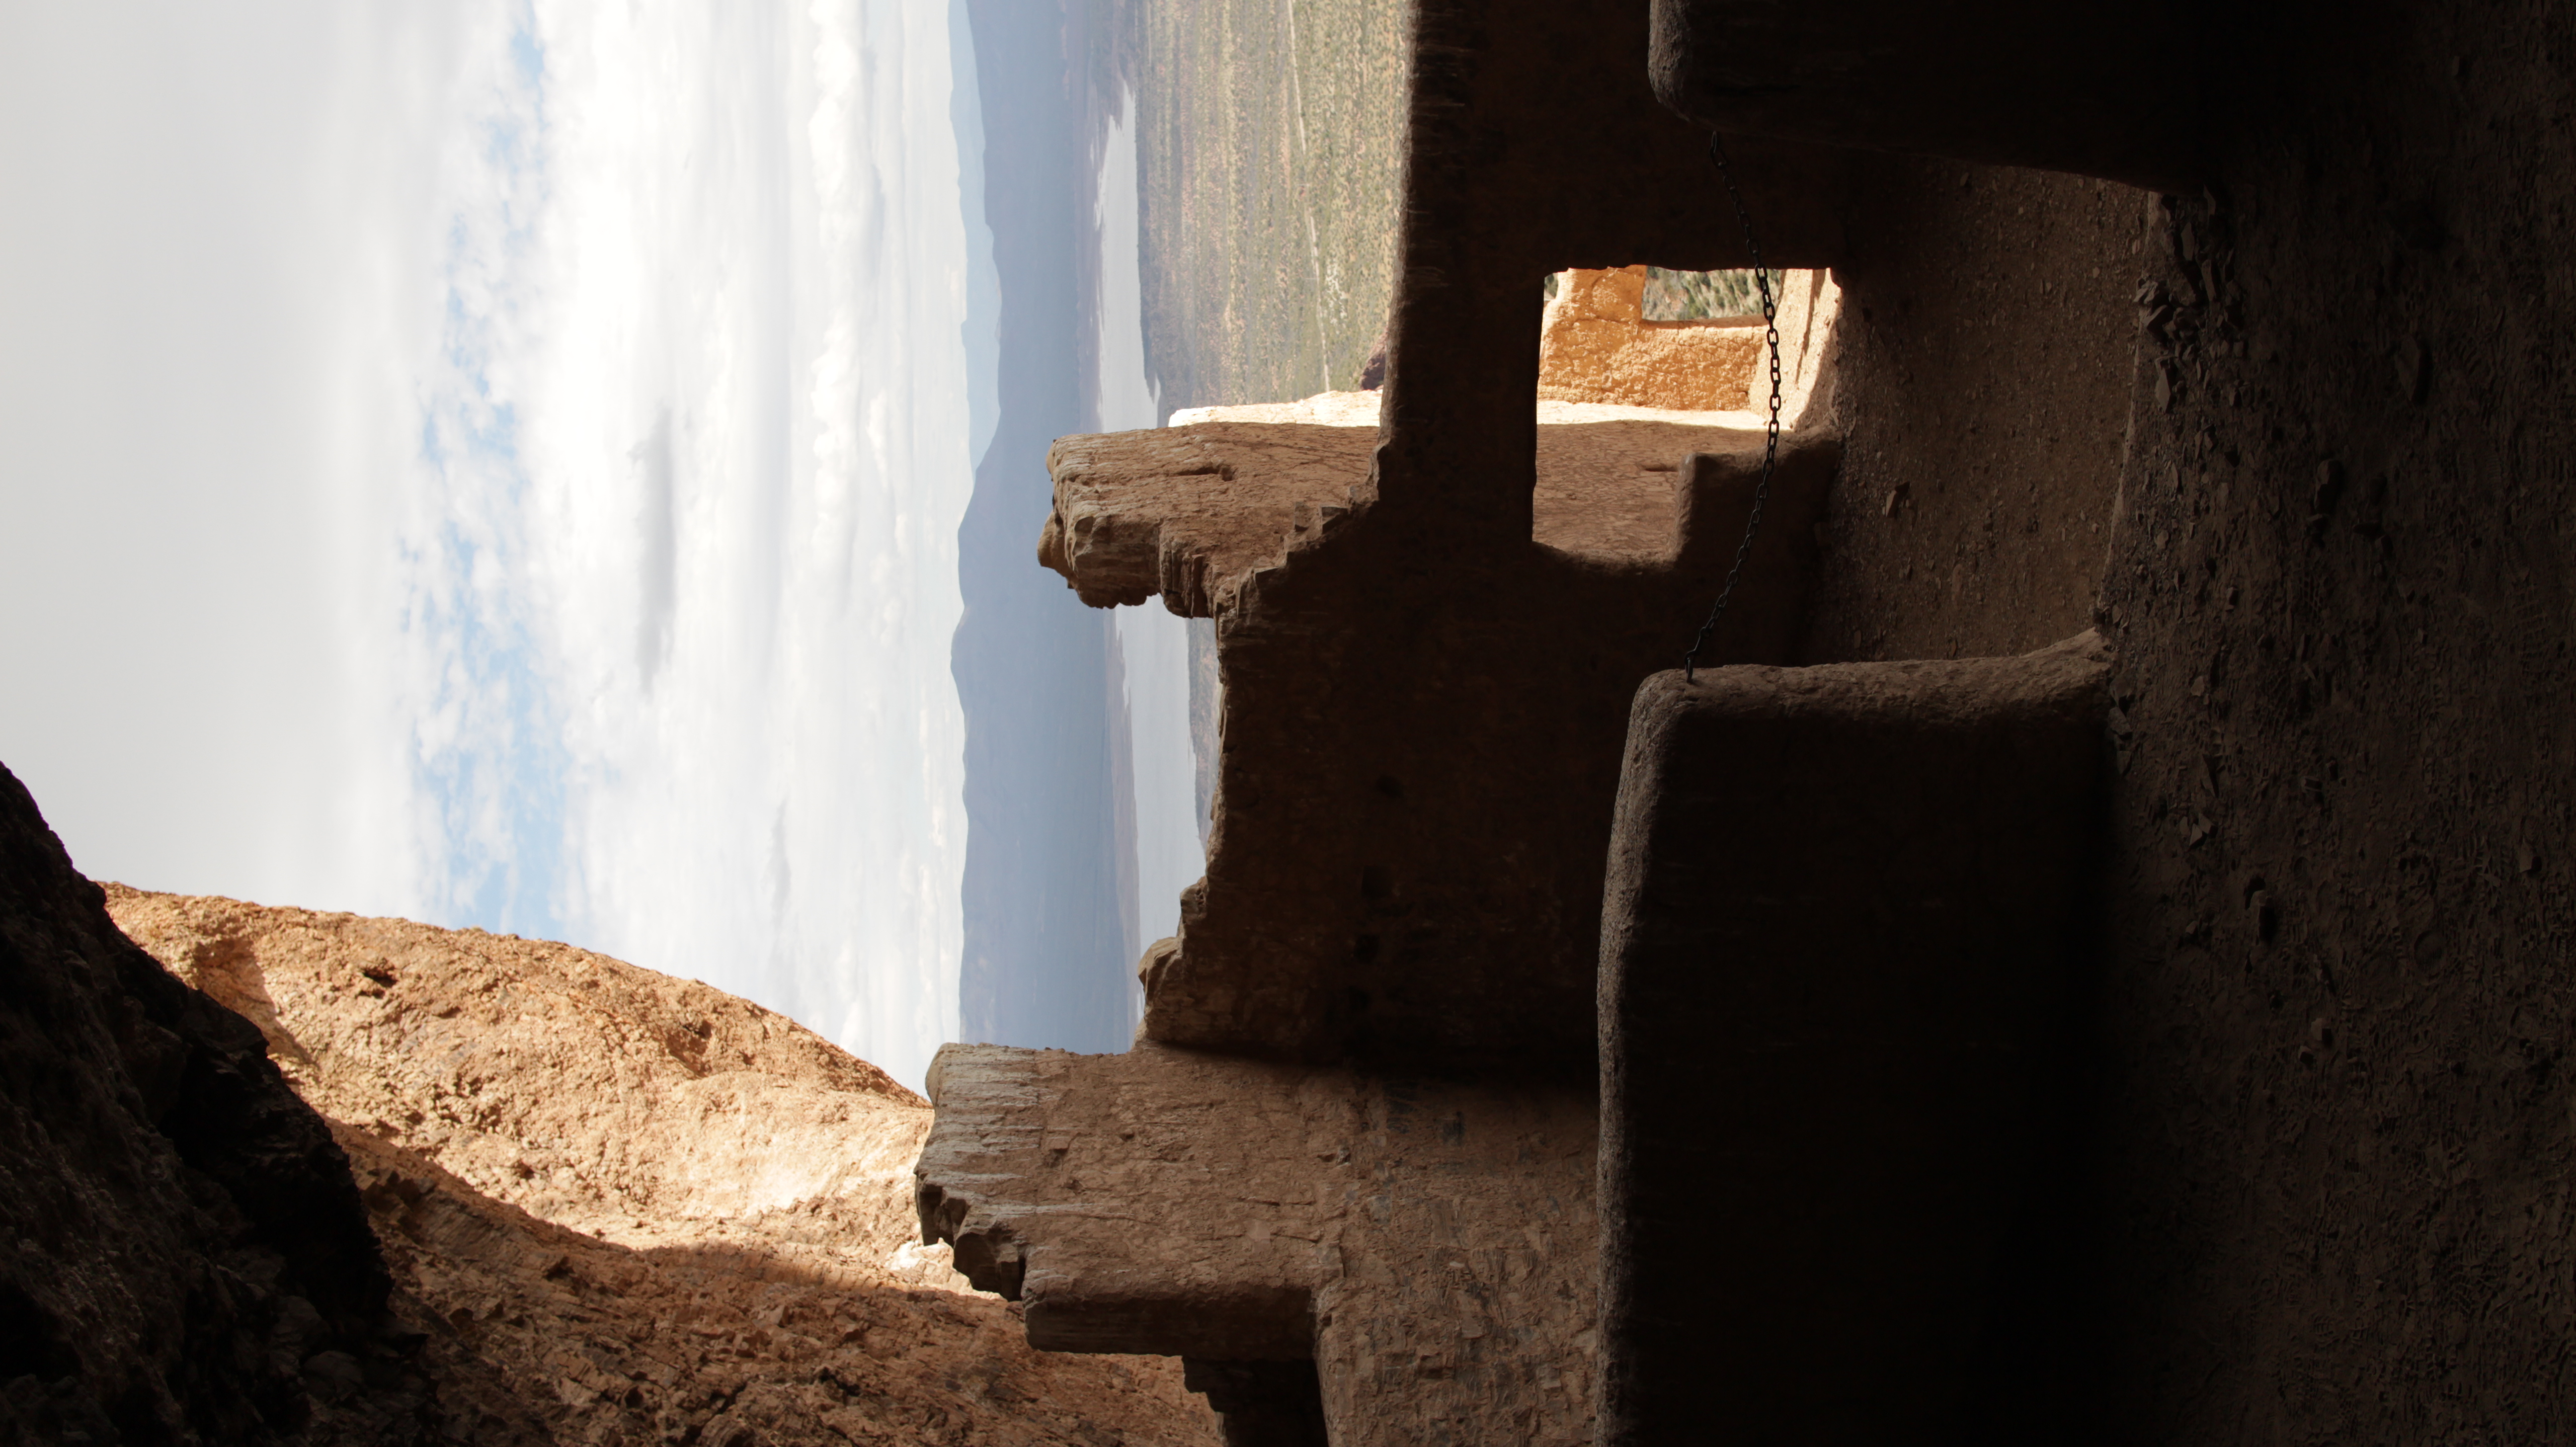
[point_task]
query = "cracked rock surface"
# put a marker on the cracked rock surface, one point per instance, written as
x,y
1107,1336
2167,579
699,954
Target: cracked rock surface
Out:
x,y
625,1207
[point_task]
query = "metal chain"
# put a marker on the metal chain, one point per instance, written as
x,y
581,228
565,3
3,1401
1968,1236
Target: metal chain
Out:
x,y
1771,432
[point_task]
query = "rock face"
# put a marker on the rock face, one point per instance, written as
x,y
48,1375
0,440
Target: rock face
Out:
x,y
1595,345
1360,663
581,1089
1414,1257
622,1206
1192,511
1428,637
187,1257
2295,439
1837,949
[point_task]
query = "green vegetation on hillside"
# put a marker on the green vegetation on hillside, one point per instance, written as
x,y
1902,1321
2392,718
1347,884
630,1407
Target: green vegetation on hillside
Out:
x,y
1269,146
1270,139
1693,296
1689,296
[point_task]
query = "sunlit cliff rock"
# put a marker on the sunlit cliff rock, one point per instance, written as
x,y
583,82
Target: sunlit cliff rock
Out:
x,y
373,1182
629,1207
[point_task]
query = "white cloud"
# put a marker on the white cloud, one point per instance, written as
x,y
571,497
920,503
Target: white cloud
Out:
x,y
685,560
1152,644
215,257
501,463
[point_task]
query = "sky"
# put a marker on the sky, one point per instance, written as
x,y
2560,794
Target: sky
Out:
x,y
1062,702
503,464
1153,642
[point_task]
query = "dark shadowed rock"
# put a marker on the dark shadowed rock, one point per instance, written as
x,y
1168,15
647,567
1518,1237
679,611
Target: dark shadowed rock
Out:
x,y
185,1240
619,1206
1839,931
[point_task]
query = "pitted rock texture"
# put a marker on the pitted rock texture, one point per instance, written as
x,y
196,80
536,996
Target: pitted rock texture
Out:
x,y
1597,346
186,1258
1984,436
1423,696
1428,1245
2341,988
1192,512
634,1208
1309,936
587,1091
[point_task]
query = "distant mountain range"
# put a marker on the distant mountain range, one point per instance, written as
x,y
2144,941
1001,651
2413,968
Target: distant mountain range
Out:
x,y
1047,960
1267,143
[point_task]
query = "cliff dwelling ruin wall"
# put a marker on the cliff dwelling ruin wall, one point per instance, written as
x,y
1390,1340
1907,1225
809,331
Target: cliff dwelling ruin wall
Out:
x,y
1430,632
2082,955
1983,363
2261,381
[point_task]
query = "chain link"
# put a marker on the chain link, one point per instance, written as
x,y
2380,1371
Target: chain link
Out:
x,y
1771,430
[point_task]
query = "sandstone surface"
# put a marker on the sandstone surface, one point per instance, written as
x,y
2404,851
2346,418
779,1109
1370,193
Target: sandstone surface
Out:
x,y
627,1207
2293,438
1838,946
1193,510
1361,409
1422,1250
186,1257
1596,345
